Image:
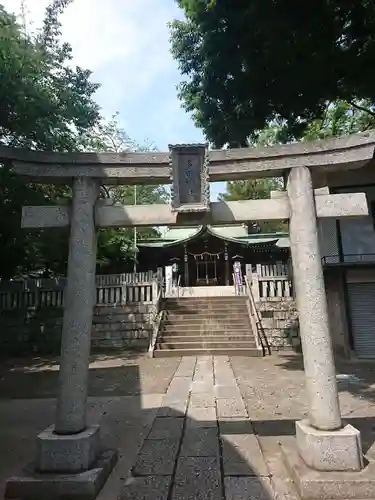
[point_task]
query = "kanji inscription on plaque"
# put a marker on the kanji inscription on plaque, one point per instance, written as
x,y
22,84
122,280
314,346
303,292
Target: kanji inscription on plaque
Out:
x,y
189,174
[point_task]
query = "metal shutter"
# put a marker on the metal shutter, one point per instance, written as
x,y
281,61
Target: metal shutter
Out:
x,y
362,312
328,241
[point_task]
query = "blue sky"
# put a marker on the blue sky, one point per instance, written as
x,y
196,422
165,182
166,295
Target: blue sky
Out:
x,y
126,45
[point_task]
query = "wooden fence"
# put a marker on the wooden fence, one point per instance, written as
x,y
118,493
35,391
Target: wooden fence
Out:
x,y
108,292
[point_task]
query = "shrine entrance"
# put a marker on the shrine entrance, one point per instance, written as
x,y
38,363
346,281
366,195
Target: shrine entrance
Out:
x,y
189,168
206,265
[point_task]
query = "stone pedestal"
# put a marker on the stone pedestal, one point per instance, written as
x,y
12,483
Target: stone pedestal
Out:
x,y
312,484
338,450
69,453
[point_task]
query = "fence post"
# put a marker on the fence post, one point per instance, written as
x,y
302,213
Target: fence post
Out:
x,y
255,287
248,270
123,293
38,297
154,290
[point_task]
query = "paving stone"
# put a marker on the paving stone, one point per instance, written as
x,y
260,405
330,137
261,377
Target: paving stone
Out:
x,y
168,427
201,417
157,456
179,388
202,400
199,386
146,488
170,408
248,488
203,359
186,367
221,359
230,408
227,391
204,376
238,425
242,456
225,379
200,442
197,479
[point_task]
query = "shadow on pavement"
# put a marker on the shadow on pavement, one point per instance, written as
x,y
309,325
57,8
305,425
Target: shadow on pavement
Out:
x,y
163,453
354,377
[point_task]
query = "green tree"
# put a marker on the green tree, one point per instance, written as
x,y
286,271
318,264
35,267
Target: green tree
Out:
x,y
44,104
116,247
255,189
251,63
340,118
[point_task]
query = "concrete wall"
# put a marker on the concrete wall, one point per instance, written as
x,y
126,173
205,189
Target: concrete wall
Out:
x,y
26,330
335,283
354,177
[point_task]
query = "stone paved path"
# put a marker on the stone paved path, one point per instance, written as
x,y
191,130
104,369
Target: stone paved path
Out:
x,y
203,428
201,444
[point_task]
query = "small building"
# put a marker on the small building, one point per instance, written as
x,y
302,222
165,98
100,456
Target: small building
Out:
x,y
348,256
205,254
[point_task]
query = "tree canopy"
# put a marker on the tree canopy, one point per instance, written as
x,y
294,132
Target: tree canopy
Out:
x,y
47,104
253,62
339,119
116,247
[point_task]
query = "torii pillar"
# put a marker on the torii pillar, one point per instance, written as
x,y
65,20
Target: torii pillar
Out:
x,y
69,460
323,441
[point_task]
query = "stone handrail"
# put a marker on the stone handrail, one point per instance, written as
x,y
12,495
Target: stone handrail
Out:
x,y
156,317
254,317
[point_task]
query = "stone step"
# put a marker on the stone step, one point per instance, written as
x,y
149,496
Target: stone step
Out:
x,y
210,321
207,334
205,344
200,313
221,334
210,324
210,310
210,298
189,303
209,328
205,338
167,353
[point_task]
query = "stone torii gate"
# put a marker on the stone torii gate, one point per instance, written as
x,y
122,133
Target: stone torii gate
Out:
x,y
68,453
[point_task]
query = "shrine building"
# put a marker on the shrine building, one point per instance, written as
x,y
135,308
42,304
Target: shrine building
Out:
x,y
205,254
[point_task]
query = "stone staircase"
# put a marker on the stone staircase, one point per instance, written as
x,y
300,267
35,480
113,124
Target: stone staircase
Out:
x,y
206,325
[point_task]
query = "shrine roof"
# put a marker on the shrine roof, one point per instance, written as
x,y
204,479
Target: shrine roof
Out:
x,y
237,234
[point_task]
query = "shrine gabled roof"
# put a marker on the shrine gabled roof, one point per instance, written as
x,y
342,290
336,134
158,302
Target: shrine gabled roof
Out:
x,y
237,234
